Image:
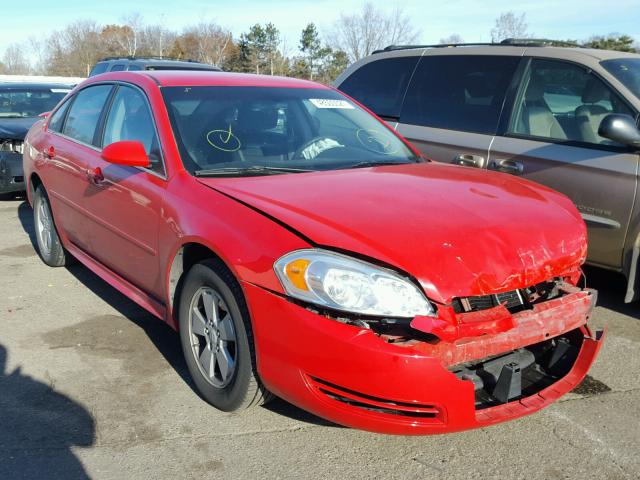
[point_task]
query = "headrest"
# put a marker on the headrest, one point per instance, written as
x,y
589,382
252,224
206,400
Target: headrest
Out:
x,y
535,91
253,118
594,91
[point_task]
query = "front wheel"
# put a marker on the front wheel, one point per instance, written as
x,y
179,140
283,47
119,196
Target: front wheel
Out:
x,y
217,340
49,246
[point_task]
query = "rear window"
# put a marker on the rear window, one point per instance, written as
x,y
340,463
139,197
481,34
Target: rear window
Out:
x,y
463,93
99,68
380,85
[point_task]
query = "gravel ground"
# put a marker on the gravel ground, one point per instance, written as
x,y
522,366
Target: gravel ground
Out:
x,y
92,386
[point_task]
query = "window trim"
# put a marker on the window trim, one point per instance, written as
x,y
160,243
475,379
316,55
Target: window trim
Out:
x,y
103,124
506,126
501,111
66,115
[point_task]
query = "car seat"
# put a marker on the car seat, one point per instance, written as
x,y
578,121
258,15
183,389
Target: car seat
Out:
x,y
536,118
590,115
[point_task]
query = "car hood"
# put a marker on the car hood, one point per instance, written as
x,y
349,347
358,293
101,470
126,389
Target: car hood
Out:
x,y
15,128
458,231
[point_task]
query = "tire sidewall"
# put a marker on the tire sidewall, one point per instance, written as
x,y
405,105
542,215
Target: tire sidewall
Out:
x,y
55,257
232,396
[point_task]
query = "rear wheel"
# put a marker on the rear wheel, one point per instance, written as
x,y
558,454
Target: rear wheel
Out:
x,y
49,246
217,340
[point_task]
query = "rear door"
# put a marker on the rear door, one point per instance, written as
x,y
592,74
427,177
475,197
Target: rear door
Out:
x,y
454,101
71,143
551,137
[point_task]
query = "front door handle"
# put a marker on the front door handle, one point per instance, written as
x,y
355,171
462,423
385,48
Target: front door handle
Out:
x,y
95,176
507,165
469,160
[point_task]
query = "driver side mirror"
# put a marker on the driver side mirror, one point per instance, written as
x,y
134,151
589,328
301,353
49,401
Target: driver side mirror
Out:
x,y
126,152
620,128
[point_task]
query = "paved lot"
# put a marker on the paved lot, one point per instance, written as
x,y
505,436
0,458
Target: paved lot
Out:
x,y
92,386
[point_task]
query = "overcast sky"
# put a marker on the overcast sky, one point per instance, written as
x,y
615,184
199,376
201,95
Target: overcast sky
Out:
x,y
473,20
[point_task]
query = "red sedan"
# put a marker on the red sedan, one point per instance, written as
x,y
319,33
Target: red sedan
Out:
x,y
303,249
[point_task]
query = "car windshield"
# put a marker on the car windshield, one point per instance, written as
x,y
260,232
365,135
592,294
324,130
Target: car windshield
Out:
x,y
234,131
627,70
29,102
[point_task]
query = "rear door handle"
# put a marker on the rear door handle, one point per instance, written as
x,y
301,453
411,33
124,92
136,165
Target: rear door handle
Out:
x,y
469,160
507,165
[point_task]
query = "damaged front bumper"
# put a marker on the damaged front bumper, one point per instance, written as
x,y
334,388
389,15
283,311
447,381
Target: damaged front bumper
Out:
x,y
358,378
11,172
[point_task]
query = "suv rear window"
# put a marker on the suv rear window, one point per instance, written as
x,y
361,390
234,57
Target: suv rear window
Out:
x,y
463,93
99,68
380,85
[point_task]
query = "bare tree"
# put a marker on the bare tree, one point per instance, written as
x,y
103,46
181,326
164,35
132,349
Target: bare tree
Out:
x,y
453,38
15,60
361,33
212,42
509,25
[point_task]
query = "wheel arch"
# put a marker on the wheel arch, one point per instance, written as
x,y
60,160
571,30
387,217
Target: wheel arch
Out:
x,y
186,255
34,182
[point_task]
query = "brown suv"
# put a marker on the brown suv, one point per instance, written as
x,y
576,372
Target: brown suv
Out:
x,y
564,117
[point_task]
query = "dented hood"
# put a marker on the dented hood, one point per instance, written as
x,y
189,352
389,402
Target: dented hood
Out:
x,y
459,231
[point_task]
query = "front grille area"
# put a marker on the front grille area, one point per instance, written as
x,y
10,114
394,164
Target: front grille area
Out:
x,y
511,300
514,300
375,404
16,146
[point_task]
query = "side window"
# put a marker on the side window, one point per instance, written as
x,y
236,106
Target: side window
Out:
x,y
380,85
134,66
130,119
117,68
85,112
57,119
563,101
459,92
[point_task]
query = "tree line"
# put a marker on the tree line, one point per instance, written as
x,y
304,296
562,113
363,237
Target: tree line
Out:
x,y
74,49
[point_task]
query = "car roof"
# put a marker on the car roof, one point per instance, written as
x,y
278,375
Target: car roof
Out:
x,y
190,78
159,62
526,50
34,85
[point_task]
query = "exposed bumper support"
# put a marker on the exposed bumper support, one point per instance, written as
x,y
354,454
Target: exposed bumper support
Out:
x,y
11,173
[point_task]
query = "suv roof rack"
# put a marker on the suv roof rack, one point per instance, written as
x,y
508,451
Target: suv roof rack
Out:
x,y
507,42
148,57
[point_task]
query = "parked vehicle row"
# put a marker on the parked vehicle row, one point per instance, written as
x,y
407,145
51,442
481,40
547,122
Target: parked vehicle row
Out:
x,y
20,105
302,248
564,117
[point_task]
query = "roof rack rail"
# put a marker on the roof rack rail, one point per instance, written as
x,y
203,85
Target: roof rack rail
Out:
x,y
507,42
539,42
147,57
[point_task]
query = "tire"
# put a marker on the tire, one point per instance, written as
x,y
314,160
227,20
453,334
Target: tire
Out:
x,y
215,328
49,246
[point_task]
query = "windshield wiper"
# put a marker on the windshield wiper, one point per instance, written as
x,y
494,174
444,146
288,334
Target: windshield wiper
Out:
x,y
376,164
255,170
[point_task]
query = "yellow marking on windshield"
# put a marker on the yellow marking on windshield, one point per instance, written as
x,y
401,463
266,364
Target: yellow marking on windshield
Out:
x,y
224,140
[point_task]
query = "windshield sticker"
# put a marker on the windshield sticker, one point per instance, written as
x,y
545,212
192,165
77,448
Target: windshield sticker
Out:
x,y
224,140
319,146
60,90
376,141
329,103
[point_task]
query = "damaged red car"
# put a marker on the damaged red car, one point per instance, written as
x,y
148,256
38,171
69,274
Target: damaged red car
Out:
x,y
303,249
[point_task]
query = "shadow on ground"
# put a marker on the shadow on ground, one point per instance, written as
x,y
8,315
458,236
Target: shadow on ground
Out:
x,y
611,287
38,427
164,338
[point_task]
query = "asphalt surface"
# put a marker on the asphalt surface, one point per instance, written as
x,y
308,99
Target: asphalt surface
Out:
x,y
92,386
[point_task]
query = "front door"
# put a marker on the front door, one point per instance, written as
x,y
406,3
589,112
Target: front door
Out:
x,y
124,203
552,138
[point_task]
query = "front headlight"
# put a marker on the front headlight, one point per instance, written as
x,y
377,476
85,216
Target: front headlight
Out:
x,y
344,283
